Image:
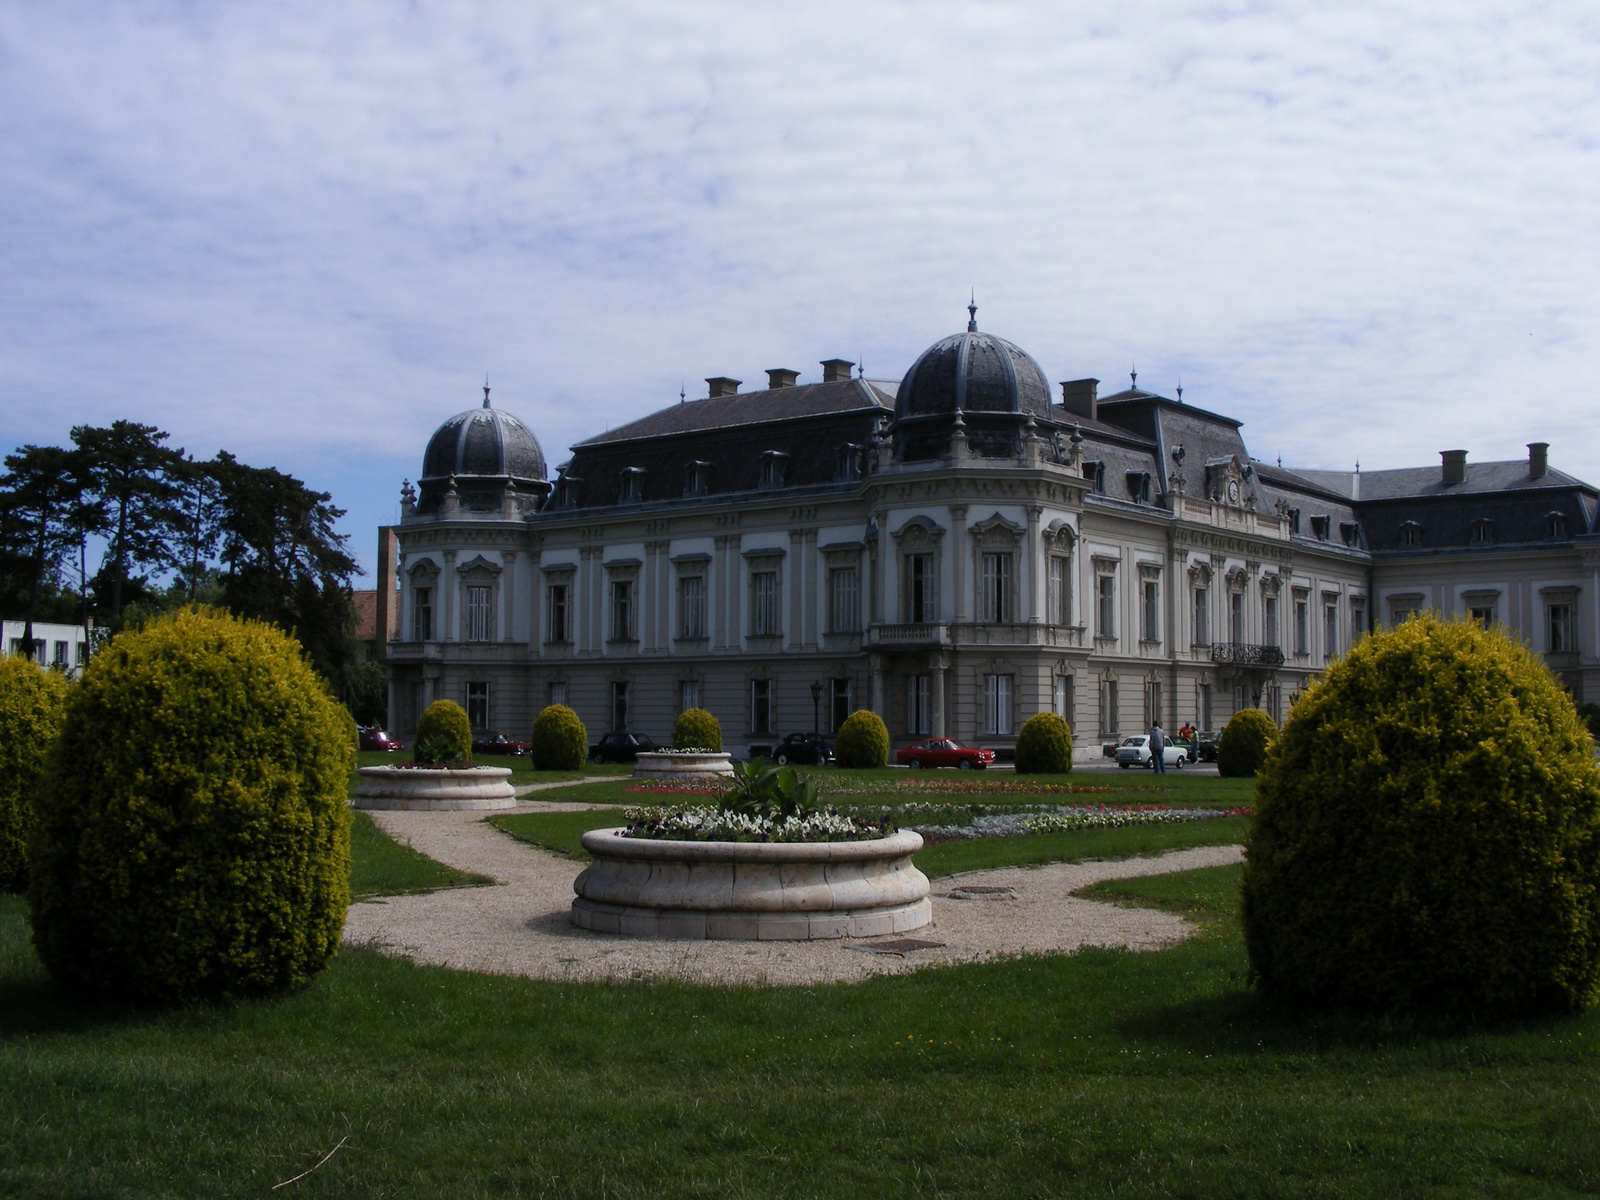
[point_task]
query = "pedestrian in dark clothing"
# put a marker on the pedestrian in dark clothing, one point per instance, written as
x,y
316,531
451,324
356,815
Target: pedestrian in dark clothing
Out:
x,y
1158,744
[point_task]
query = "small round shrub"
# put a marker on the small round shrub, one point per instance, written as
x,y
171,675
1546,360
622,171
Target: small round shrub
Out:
x,y
559,741
1243,746
31,700
1044,745
697,730
193,837
862,741
443,734
1427,834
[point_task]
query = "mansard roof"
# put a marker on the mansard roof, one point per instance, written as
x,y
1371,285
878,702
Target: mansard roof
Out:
x,y
752,408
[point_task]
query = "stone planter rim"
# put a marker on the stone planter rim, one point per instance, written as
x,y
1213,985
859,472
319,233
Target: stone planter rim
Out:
x,y
605,843
384,771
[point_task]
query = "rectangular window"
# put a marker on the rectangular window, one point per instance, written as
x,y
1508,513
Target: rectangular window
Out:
x,y
1302,619
688,695
761,706
1402,612
59,658
920,595
1060,599
560,629
996,588
692,607
1061,697
765,613
478,705
621,612
1482,611
997,705
479,616
1330,626
1236,617
1108,708
841,700
844,604
918,720
1358,619
1150,612
1105,606
1561,629
1203,707
422,615
1269,615
1152,703
620,709
1202,616
558,693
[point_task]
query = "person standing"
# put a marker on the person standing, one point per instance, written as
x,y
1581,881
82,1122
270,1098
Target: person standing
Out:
x,y
1158,746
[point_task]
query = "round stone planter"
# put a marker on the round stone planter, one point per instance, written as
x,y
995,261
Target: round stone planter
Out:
x,y
424,789
669,767
751,891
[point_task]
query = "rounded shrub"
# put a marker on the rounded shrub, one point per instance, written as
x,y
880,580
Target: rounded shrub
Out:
x,y
192,837
31,700
1044,745
862,741
1243,746
697,730
559,742
444,734
1427,834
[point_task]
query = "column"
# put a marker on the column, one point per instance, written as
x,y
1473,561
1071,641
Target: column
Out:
x,y
936,694
875,663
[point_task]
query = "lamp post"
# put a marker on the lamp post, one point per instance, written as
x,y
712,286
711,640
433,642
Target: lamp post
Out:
x,y
816,699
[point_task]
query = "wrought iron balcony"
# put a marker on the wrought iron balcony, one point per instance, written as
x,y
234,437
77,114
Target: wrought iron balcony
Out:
x,y
1245,654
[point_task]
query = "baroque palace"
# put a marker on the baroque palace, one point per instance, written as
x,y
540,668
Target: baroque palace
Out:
x,y
955,551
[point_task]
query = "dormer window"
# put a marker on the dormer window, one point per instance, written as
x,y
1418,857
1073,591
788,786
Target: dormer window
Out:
x,y
1482,531
1410,535
632,490
1350,533
1555,526
774,468
1095,473
1294,521
697,478
1319,527
1139,487
565,493
848,465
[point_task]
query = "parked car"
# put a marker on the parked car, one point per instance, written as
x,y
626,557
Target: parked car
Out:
x,y
370,737
942,752
498,743
1205,747
1135,752
812,749
620,747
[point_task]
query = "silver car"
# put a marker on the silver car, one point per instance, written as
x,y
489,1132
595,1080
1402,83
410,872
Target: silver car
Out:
x,y
1135,752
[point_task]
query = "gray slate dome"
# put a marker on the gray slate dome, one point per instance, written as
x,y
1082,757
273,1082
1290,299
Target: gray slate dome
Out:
x,y
973,372
483,441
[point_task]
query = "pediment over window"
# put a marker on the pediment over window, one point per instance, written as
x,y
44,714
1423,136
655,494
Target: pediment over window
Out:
x,y
423,570
996,531
1060,537
478,563
919,530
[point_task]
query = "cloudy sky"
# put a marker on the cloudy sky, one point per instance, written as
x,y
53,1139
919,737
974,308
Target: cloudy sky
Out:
x,y
304,232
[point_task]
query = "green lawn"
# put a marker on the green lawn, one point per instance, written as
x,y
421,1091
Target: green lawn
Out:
x,y
521,770
380,866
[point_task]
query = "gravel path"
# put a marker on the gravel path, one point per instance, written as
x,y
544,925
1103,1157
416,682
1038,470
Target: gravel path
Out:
x,y
520,926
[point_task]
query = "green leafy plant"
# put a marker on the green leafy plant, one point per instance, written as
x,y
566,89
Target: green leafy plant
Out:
x,y
760,790
444,734
193,836
1044,745
862,741
1244,743
31,703
697,730
559,741
1427,833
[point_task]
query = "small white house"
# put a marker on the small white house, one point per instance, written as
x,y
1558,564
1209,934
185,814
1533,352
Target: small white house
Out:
x,y
61,646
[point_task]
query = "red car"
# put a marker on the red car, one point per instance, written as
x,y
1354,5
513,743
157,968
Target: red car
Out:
x,y
942,752
498,743
373,738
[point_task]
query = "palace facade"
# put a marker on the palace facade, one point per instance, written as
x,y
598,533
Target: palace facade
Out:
x,y
956,551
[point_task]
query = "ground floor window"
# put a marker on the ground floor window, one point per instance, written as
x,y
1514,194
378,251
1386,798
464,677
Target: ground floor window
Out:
x,y
620,711
1152,702
1108,708
558,693
997,705
1561,639
761,706
918,719
842,698
478,705
688,695
1061,698
1203,707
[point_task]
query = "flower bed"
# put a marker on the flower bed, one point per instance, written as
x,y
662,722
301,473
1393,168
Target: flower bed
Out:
x,y
1067,819
707,823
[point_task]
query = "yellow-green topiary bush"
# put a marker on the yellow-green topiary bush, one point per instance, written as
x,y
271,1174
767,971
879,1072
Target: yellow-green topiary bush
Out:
x,y
1243,746
862,741
31,700
1044,745
192,833
1427,834
697,730
559,741
444,735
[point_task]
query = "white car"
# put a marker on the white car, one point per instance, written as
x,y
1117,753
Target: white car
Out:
x,y
1135,752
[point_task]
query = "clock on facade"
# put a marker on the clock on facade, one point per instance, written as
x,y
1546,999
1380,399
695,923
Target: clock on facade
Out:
x,y
1233,491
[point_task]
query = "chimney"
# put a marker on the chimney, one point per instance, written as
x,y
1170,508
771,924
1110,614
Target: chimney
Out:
x,y
778,377
1081,396
1455,466
1538,459
836,370
721,385
388,622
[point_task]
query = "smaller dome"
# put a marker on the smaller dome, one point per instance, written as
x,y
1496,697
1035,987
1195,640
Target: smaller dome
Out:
x,y
973,372
483,442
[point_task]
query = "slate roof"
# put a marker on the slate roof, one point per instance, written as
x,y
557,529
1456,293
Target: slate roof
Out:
x,y
750,408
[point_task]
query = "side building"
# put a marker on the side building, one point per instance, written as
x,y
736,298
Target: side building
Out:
x,y
956,551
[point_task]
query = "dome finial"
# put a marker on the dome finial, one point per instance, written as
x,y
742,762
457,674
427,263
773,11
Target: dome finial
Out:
x,y
1133,377
486,389
972,313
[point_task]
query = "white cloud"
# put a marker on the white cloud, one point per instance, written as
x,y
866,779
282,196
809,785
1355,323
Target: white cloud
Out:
x,y
301,232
